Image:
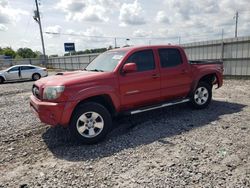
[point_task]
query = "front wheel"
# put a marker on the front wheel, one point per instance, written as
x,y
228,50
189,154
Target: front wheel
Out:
x,y
202,96
90,123
1,80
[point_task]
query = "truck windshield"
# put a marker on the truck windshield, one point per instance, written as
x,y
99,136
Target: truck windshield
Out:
x,y
106,62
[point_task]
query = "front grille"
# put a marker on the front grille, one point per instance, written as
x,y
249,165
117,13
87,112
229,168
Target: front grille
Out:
x,y
36,92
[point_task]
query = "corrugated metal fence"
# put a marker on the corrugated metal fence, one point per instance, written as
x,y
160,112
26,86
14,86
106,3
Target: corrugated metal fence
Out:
x,y
64,63
5,63
71,62
234,52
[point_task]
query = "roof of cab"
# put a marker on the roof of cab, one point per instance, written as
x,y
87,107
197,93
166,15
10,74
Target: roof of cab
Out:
x,y
131,48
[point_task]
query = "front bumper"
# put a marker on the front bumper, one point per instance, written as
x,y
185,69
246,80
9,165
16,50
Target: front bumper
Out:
x,y
48,112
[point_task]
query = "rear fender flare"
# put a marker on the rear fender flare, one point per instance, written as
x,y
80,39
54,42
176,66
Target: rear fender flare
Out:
x,y
197,79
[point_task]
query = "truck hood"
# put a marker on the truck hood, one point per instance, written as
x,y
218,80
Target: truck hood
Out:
x,y
72,78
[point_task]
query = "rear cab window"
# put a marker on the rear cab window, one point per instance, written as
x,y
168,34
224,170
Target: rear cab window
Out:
x,y
144,60
170,57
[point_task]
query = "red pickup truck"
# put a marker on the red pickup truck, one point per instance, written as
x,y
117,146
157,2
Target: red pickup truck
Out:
x,y
123,81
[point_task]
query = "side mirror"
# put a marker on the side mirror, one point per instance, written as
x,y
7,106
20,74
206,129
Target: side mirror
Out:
x,y
129,68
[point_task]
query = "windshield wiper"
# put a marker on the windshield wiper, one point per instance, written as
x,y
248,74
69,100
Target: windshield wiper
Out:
x,y
96,70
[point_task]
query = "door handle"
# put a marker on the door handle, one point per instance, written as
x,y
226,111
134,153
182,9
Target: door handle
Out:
x,y
156,76
184,71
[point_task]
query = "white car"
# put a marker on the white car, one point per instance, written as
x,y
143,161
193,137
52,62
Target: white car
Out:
x,y
22,72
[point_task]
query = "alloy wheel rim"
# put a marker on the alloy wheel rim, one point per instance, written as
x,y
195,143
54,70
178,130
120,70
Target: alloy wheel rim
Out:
x,y
201,95
90,124
36,77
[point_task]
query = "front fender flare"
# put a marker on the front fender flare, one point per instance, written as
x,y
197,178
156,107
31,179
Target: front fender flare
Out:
x,y
1,75
96,91
84,94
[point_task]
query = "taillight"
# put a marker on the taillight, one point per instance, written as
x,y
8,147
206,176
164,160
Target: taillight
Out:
x,y
222,68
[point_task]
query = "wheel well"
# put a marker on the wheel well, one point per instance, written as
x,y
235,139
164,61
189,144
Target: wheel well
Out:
x,y
36,73
104,100
210,78
2,78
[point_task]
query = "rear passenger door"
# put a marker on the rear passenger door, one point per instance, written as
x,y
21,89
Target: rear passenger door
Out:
x,y
175,74
27,72
143,86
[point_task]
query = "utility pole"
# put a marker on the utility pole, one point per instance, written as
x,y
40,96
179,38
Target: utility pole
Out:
x,y
222,44
236,23
222,34
37,18
115,44
127,42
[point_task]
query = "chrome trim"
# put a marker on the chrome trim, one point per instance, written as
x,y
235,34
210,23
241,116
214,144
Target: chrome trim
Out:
x,y
161,106
132,92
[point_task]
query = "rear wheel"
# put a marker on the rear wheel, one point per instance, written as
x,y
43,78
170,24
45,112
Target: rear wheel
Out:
x,y
90,123
36,76
202,96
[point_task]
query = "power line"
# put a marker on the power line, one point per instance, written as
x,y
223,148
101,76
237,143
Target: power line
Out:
x,y
178,39
108,37
245,11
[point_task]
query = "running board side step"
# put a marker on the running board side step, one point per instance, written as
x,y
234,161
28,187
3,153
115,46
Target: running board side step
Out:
x,y
160,106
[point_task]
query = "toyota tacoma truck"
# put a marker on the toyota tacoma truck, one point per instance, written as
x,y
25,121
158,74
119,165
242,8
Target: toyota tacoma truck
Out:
x,y
123,81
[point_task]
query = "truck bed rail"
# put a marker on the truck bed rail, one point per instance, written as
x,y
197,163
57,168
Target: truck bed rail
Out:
x,y
205,62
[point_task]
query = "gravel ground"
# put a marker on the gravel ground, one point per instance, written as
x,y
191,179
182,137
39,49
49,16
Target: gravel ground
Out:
x,y
171,147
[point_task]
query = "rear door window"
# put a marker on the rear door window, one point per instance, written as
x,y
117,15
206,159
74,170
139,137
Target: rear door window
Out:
x,y
27,68
170,57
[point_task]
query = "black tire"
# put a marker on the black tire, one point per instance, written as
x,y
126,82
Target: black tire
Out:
x,y
36,76
84,110
1,80
200,103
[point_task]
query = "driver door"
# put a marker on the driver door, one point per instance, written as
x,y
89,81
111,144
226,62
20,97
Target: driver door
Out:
x,y
142,87
13,73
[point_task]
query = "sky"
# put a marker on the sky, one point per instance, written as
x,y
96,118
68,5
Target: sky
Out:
x,y
96,23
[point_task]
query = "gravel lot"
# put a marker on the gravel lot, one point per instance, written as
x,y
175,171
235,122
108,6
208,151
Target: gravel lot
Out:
x,y
171,147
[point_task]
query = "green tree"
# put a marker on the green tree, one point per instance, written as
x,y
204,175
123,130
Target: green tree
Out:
x,y
89,51
38,53
9,52
54,55
26,53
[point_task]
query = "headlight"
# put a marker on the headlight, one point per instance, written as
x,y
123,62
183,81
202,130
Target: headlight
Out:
x,y
52,92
